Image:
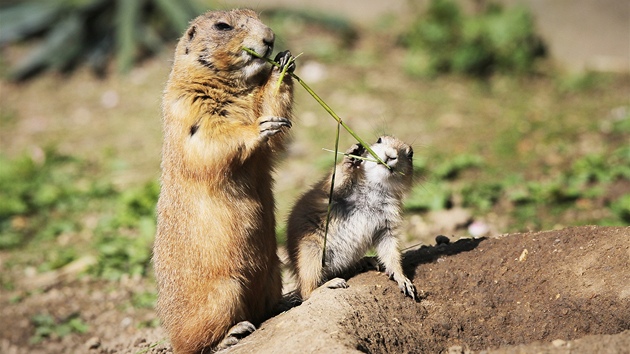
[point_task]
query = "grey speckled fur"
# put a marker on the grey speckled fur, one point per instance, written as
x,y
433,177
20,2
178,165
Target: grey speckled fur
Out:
x,y
366,212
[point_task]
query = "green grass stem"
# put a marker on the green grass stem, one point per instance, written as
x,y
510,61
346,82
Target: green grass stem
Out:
x,y
330,195
350,155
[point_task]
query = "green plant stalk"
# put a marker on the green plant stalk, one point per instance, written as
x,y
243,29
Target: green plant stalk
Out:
x,y
325,106
330,196
282,75
350,155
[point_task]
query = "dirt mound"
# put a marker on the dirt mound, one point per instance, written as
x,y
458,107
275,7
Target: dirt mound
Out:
x,y
495,292
546,288
545,292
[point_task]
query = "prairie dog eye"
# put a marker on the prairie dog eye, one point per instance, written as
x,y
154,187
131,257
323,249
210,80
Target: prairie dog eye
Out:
x,y
380,140
222,26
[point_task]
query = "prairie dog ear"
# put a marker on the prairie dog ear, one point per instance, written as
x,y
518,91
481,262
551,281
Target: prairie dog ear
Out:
x,y
190,34
192,31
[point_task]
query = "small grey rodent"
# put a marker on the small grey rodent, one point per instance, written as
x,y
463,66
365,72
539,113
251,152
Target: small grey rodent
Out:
x,y
366,212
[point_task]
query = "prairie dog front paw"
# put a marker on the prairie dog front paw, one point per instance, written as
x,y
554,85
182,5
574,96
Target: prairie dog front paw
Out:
x,y
270,126
355,150
285,58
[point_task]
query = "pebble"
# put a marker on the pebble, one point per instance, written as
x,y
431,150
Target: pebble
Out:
x,y
458,349
523,255
455,349
478,229
126,322
93,343
140,342
442,240
558,343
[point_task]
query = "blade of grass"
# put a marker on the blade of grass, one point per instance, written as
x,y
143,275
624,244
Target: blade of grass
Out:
x,y
330,195
324,105
350,155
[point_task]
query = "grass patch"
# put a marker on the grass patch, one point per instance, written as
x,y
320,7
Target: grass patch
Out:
x,y
587,182
44,195
47,202
444,39
47,327
124,241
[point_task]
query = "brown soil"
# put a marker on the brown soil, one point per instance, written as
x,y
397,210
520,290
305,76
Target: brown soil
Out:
x,y
545,292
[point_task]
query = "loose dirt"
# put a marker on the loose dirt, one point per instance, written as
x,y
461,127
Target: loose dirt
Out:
x,y
564,291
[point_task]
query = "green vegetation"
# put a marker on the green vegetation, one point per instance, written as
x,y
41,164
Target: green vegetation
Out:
x,y
43,200
47,326
93,31
124,241
587,181
144,300
445,40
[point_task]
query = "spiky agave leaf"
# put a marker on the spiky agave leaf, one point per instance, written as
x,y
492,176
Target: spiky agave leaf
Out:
x,y
59,48
91,30
22,20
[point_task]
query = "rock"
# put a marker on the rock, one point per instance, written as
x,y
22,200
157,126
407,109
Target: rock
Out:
x,y
558,343
93,343
441,239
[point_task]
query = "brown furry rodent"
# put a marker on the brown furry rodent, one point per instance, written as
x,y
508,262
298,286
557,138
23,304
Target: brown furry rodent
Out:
x,y
366,212
224,121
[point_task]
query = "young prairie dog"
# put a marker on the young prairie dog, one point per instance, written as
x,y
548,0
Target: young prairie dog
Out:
x,y
224,120
366,212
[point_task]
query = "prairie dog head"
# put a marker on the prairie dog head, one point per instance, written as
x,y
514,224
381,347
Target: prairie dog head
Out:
x,y
398,156
213,44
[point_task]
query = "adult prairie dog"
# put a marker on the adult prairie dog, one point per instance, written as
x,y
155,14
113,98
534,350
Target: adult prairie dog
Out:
x,y
224,120
366,212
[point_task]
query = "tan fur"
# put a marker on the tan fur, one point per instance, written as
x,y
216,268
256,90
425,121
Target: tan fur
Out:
x,y
366,212
215,250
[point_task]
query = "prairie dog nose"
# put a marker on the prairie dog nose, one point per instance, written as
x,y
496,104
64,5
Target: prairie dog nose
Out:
x,y
268,40
390,157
